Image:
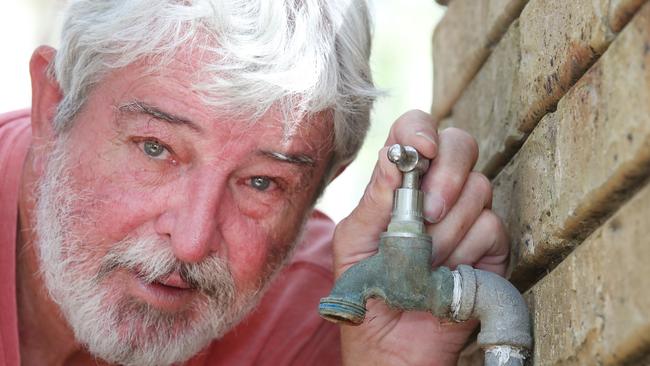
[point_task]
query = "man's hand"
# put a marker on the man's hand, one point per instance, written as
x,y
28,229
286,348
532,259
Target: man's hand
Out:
x,y
465,231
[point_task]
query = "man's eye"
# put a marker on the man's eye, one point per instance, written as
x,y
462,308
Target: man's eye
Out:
x,y
260,183
153,148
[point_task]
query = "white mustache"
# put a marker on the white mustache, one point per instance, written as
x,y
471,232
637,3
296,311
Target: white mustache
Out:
x,y
152,260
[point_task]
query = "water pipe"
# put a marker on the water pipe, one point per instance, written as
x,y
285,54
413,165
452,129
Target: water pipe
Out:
x,y
400,273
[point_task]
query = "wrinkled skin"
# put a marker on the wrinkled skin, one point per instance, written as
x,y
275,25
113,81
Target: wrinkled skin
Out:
x,y
206,188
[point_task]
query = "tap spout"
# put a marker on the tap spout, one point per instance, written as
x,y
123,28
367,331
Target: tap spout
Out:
x,y
347,302
400,274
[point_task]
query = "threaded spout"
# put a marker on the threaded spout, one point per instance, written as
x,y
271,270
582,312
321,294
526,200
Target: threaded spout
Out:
x,y
347,302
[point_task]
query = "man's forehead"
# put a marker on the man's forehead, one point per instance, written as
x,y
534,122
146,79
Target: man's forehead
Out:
x,y
167,93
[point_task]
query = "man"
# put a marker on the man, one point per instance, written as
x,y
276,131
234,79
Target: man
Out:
x,y
165,178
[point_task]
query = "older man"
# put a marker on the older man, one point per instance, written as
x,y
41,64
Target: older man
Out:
x,y
165,178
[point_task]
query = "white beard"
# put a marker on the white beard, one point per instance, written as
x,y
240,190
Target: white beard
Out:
x,y
111,324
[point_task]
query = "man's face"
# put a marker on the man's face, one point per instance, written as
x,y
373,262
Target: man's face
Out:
x,y
160,220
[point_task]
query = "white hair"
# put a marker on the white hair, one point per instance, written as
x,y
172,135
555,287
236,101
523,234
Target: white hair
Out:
x,y
301,56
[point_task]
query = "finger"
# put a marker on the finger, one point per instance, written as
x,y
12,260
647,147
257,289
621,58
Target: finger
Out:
x,y
486,245
475,196
457,154
415,128
356,236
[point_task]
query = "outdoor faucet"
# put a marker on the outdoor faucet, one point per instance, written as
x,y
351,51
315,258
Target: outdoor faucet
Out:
x,y
400,273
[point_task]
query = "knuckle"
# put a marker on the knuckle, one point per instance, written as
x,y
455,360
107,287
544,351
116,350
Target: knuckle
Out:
x,y
481,184
370,198
488,225
495,232
381,185
410,116
344,229
387,175
443,247
416,114
382,178
341,227
459,257
459,135
450,181
490,222
382,154
461,138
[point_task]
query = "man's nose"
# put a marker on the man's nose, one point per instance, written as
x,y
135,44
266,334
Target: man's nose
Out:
x,y
192,223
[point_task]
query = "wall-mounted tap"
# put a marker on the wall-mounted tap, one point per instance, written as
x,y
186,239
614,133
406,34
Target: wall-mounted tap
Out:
x,y
401,274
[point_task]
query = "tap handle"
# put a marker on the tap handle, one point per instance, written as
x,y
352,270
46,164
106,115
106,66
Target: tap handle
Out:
x,y
408,201
407,159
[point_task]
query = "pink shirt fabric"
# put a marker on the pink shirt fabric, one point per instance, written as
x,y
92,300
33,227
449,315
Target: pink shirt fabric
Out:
x,y
285,328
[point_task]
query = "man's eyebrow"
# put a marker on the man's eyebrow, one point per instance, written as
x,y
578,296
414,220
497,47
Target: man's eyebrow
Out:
x,y
157,113
297,159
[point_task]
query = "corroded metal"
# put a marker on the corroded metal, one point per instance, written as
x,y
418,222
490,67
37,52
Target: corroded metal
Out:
x,y
400,274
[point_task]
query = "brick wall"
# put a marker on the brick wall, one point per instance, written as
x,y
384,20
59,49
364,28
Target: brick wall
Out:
x,y
557,93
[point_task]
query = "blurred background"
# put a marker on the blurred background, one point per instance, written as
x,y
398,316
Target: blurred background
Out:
x,y
401,63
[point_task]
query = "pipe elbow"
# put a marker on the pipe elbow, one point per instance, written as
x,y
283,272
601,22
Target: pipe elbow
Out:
x,y
499,306
347,302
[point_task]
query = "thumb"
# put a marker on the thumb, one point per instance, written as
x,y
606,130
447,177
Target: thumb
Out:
x,y
356,237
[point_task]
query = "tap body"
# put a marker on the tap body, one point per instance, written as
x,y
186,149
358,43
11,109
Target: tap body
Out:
x,y
400,274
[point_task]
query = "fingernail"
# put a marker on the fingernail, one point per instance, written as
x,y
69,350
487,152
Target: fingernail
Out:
x,y
426,136
434,207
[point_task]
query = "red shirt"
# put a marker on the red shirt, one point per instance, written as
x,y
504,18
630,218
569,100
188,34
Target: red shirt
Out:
x,y
285,329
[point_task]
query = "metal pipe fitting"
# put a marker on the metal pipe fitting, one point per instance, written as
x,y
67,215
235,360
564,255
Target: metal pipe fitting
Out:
x,y
401,274
497,303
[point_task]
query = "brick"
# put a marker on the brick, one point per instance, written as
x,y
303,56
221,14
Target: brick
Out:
x,y
621,11
550,47
489,105
581,161
461,43
593,308
559,41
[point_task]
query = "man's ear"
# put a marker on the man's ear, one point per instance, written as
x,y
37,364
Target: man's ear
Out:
x,y
46,96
